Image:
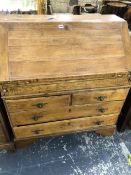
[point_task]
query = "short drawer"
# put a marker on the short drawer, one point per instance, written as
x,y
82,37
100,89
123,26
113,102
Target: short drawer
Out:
x,y
42,103
34,117
97,109
87,97
65,126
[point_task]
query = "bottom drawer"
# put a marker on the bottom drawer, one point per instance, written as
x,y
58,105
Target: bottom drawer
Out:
x,y
65,126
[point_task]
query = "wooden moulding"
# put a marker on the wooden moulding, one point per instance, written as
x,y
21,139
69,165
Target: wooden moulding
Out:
x,y
62,87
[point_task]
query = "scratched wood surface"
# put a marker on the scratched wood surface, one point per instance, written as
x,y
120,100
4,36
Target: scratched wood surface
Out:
x,y
63,46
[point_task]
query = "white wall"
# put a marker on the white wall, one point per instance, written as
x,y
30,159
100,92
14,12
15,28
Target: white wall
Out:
x,y
17,4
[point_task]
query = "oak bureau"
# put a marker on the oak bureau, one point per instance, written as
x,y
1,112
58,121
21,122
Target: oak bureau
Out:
x,y
63,73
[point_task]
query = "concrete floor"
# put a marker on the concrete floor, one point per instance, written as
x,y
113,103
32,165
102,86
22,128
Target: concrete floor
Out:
x,y
76,154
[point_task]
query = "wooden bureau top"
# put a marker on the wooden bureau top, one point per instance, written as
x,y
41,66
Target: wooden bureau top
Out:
x,y
59,18
38,47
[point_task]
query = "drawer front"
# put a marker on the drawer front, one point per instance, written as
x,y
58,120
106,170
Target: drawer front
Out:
x,y
42,103
64,126
24,118
86,97
98,109
33,117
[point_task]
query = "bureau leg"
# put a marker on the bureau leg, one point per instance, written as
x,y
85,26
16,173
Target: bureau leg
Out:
x,y
7,146
106,132
24,143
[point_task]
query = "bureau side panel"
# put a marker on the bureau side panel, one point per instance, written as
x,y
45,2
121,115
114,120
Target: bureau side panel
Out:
x,y
3,53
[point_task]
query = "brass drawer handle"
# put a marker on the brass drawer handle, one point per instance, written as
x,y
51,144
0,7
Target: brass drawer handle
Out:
x,y
36,118
37,131
101,98
99,122
119,75
40,105
102,110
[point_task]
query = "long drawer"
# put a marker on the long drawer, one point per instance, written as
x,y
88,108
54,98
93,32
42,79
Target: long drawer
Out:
x,y
65,126
33,117
87,97
41,103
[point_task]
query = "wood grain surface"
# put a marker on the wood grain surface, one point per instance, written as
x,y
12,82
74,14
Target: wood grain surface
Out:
x,y
38,104
86,97
64,46
28,88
